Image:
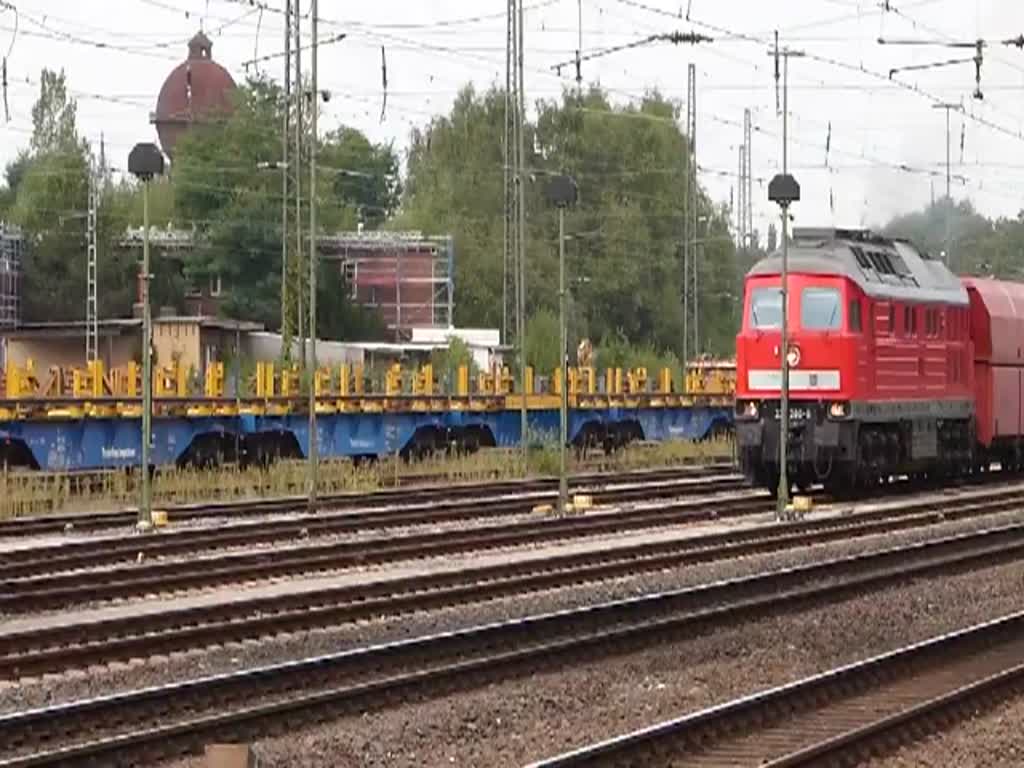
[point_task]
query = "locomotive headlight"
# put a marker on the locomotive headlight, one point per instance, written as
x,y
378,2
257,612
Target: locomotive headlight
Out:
x,y
747,409
793,356
839,410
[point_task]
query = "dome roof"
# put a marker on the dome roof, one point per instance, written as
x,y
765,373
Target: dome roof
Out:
x,y
196,89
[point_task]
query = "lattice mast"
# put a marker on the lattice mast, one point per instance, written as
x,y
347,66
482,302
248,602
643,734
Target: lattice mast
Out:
x,y
748,197
287,289
92,340
297,262
509,152
691,311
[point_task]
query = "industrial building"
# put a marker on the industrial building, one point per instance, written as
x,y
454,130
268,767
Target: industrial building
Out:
x,y
193,342
406,277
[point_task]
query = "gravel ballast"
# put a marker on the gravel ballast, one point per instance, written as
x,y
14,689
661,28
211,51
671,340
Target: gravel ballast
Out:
x,y
125,676
522,720
990,739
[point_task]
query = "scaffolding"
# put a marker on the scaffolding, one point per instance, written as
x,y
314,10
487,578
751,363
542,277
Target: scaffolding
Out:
x,y
407,277
12,250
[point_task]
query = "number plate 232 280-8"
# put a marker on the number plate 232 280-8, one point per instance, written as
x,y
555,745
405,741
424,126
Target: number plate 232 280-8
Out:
x,y
795,413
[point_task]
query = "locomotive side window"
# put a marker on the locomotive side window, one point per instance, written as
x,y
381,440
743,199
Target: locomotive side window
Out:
x,y
855,324
766,308
820,309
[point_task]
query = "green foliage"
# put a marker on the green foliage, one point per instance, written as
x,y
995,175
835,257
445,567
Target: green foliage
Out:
x,y
446,363
623,254
615,351
49,196
365,174
454,186
980,246
13,174
219,188
542,334
53,116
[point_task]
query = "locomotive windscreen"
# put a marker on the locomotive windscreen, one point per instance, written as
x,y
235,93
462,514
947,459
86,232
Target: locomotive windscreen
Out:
x,y
819,309
766,308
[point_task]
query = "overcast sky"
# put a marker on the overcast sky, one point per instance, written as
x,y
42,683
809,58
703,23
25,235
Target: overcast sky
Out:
x,y
887,147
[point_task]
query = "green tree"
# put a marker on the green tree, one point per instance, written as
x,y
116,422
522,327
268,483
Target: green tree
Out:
x,y
53,115
623,254
13,174
236,208
50,187
363,173
542,334
453,186
969,231
446,363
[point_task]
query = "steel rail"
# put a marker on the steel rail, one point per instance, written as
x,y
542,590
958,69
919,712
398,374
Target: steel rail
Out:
x,y
94,552
21,595
167,720
58,523
838,717
58,648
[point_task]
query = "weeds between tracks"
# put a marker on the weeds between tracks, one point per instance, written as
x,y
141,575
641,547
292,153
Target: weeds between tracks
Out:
x,y
29,493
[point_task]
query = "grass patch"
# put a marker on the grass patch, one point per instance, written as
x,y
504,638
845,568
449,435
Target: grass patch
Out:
x,y
27,493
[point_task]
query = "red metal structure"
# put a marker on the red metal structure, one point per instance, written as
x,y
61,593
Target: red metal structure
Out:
x,y
881,363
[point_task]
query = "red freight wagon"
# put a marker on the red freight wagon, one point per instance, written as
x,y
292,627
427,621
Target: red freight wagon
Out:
x,y
997,329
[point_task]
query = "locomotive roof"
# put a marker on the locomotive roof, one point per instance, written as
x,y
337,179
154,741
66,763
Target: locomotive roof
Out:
x,y
882,267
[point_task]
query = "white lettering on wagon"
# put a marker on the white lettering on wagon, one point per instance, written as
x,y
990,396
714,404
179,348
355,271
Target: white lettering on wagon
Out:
x,y
117,453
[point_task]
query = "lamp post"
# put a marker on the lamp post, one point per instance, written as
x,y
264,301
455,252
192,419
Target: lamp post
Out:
x,y
561,192
783,189
144,162
314,438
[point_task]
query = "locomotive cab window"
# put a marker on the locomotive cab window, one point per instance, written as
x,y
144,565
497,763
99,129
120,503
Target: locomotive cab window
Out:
x,y
820,309
855,324
766,308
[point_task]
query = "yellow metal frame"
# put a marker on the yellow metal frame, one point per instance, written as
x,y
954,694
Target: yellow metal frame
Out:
x,y
91,392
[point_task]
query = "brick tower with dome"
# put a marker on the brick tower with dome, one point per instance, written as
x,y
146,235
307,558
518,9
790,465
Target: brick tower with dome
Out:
x,y
198,90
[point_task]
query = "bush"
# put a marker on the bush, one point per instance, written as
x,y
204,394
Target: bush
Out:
x,y
617,352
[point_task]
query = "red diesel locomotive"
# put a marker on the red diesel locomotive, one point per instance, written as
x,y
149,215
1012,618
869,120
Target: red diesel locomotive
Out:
x,y
897,366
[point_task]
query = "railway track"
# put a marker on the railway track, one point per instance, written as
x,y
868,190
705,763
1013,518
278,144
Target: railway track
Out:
x,y
840,717
96,552
31,586
141,726
58,648
48,524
